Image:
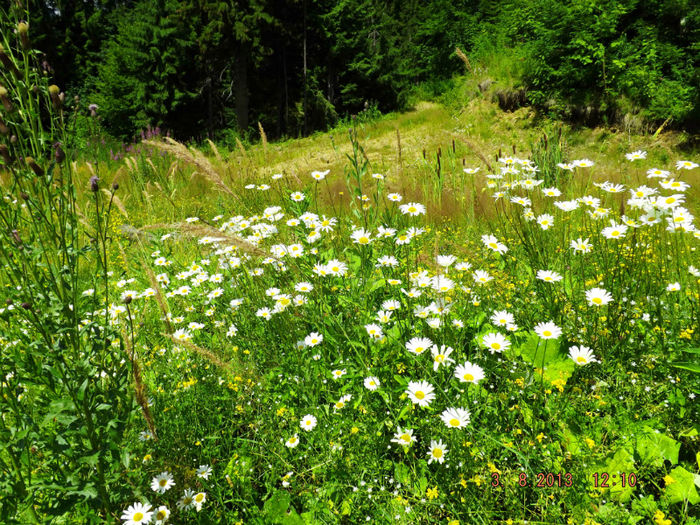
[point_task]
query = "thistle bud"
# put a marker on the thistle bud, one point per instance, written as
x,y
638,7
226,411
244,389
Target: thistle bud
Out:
x,y
115,186
5,97
16,237
13,139
38,170
8,302
58,153
7,62
94,183
23,30
128,299
24,196
5,153
54,93
26,305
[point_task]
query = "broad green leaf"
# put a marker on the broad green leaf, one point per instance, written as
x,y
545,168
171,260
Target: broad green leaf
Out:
x,y
682,487
687,365
654,448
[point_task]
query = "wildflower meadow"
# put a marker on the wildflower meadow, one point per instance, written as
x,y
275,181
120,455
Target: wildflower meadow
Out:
x,y
195,335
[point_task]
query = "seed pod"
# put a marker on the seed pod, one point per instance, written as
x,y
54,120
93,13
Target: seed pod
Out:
x,y
23,30
7,62
5,97
5,153
26,305
3,127
24,196
115,186
128,299
58,153
54,93
16,237
38,170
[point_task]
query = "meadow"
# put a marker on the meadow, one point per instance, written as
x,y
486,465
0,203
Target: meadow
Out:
x,y
449,315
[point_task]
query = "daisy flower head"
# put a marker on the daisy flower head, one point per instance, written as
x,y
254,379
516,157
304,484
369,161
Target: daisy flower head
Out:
x,y
308,422
481,277
162,482
441,356
421,393
581,245
404,437
313,339
548,276
636,155
394,197
469,373
338,373
372,383
546,221
582,355
361,236
292,442
551,192
297,196
673,287
204,471
548,330
335,267
418,345
161,515
502,318
582,163
490,241
412,208
374,331
685,165
319,175
495,342
656,173
137,514
598,297
614,231
187,500
446,260
437,452
199,500
566,166
455,417
340,404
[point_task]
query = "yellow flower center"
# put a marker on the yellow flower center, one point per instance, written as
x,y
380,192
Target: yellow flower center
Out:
x,y
138,516
363,240
160,515
163,482
406,438
199,497
547,333
496,346
454,422
439,358
598,300
581,359
437,452
420,395
468,377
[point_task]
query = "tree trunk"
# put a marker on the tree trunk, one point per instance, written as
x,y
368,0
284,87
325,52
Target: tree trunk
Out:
x,y
242,94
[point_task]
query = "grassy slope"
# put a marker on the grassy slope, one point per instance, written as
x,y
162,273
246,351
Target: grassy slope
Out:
x,y
477,131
